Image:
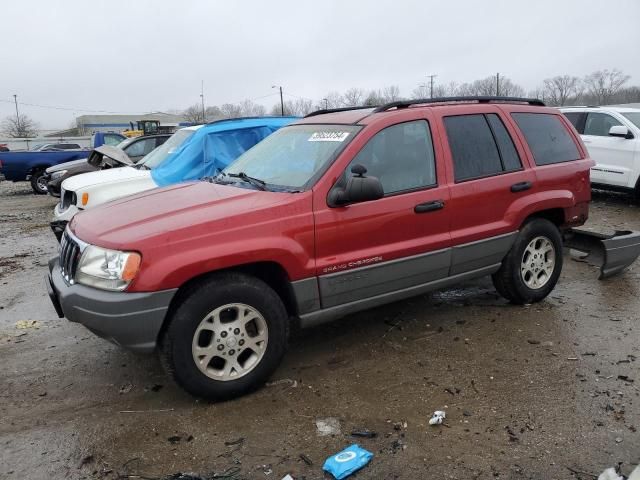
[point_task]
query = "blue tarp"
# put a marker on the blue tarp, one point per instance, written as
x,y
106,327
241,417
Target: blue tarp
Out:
x,y
214,146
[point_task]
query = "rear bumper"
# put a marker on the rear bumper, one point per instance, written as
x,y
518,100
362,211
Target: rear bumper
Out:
x,y
131,320
613,253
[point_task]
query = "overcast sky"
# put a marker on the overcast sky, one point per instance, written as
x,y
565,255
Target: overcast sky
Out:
x,y
142,56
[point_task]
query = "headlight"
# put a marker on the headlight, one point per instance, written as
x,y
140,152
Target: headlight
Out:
x,y
58,174
107,269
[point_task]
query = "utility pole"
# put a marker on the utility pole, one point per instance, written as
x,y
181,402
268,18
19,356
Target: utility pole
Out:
x,y
18,129
281,99
431,77
326,103
204,120
497,84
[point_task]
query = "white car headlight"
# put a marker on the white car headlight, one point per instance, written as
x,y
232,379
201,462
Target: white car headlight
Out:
x,y
107,269
58,174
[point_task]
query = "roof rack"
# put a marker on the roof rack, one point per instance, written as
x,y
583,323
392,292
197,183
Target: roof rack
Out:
x,y
336,110
478,99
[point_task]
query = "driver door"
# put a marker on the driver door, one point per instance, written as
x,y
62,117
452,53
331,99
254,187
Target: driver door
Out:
x,y
397,242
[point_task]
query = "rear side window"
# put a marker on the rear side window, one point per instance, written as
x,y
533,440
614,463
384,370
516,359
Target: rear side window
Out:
x,y
547,137
480,146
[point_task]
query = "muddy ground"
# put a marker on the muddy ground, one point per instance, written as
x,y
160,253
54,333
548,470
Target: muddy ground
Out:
x,y
530,392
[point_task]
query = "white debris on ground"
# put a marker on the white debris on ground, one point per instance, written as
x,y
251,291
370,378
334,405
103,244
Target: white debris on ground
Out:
x,y
437,418
328,426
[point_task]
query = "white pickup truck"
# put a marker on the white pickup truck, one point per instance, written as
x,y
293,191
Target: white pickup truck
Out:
x,y
612,136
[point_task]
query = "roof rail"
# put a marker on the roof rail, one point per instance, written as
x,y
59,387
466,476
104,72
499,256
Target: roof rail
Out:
x,y
336,110
478,99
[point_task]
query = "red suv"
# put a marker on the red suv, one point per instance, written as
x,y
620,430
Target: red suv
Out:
x,y
341,211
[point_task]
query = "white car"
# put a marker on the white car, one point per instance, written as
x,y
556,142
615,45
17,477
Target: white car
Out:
x,y
95,188
612,136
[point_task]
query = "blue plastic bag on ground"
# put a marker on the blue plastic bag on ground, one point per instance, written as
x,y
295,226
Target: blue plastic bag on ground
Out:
x,y
349,460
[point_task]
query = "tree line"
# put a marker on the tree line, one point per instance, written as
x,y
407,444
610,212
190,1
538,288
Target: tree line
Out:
x,y
603,87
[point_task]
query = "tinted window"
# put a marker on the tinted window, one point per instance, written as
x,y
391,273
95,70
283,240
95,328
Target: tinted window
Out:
x,y
599,124
475,153
548,138
160,140
508,152
577,119
400,156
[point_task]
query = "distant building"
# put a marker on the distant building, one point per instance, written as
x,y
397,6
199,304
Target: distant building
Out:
x,y
88,124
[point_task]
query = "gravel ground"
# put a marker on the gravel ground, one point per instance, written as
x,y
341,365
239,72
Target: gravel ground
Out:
x,y
530,392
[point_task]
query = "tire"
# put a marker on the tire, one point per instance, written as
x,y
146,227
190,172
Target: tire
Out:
x,y
524,279
202,347
39,182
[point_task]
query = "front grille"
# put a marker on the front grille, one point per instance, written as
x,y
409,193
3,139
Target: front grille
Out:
x,y
67,198
69,257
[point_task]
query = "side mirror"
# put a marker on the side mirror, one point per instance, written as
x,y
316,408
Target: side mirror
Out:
x,y
620,131
359,189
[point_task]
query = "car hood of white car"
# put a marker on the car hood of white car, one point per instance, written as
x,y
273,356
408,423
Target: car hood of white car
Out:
x,y
109,176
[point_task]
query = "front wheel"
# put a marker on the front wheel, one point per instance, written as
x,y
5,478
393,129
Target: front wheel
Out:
x,y
226,337
532,267
39,182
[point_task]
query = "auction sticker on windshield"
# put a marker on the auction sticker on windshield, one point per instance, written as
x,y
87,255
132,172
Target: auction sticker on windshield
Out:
x,y
328,136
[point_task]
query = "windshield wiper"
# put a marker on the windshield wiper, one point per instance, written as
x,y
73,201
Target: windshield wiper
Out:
x,y
256,182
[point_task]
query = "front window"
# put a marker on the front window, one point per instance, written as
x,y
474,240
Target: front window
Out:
x,y
634,117
292,156
160,154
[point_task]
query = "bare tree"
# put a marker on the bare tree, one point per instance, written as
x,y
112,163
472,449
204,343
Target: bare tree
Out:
x,y
604,84
333,100
19,127
193,114
391,94
421,91
299,107
230,110
448,90
510,89
354,97
562,89
373,98
249,108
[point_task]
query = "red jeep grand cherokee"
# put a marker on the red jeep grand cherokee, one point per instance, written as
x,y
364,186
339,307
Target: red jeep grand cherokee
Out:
x,y
342,211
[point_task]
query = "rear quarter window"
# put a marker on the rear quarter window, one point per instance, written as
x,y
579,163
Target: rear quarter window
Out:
x,y
548,138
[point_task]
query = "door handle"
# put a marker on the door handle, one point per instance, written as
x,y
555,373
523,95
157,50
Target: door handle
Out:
x,y
521,186
429,206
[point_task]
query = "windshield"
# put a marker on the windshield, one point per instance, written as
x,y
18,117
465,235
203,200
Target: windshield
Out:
x,y
293,155
159,155
125,142
634,117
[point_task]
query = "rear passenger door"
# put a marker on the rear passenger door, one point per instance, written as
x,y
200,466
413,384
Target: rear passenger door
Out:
x,y
396,242
489,176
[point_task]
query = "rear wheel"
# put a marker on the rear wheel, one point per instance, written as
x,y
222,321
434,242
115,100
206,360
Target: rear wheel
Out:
x,y
39,182
226,337
532,267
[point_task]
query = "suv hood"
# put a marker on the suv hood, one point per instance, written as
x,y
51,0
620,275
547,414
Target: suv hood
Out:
x,y
115,153
110,176
66,165
180,212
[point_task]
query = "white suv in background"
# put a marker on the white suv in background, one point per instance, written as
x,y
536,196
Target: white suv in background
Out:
x,y
612,136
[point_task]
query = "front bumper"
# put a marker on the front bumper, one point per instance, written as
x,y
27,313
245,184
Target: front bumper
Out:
x,y
58,227
131,320
53,186
612,253
64,215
